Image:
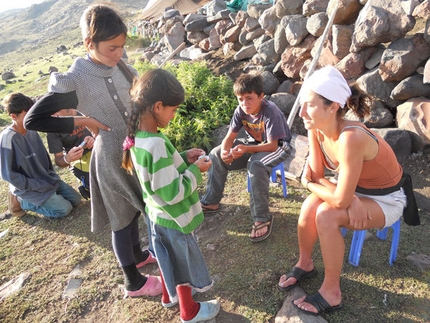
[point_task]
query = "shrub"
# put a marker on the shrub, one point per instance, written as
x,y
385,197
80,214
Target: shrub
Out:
x,y
209,104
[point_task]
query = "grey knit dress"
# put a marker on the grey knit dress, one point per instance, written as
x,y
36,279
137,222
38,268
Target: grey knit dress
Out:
x,y
116,196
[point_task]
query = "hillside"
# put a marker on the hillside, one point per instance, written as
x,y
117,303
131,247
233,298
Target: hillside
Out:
x,y
27,34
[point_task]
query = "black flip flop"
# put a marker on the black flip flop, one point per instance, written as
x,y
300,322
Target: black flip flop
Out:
x,y
268,224
320,304
298,274
207,211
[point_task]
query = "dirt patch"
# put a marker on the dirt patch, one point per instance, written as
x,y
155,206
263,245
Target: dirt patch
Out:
x,y
221,64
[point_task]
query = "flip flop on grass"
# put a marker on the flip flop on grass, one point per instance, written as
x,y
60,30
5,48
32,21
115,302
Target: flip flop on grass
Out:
x,y
208,211
268,224
320,304
298,274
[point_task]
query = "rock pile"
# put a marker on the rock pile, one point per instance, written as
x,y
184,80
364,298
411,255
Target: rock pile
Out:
x,y
383,45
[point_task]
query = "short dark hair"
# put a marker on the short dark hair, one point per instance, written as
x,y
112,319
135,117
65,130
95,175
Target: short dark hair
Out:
x,y
248,83
17,102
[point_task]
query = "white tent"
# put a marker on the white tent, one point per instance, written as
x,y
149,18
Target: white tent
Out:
x,y
154,9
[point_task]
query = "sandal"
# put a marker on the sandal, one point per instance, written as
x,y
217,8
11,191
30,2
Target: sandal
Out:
x,y
208,211
320,304
268,224
298,274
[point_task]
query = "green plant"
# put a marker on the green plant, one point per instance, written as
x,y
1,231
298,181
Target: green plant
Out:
x,y
209,104
134,42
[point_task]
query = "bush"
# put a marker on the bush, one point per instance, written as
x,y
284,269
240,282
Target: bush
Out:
x,y
209,104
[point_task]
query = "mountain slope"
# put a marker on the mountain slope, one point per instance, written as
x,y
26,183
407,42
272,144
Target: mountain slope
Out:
x,y
41,28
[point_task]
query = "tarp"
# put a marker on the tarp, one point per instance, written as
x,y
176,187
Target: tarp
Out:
x,y
155,8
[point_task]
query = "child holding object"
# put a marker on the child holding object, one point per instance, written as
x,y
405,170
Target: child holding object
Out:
x,y
102,92
169,181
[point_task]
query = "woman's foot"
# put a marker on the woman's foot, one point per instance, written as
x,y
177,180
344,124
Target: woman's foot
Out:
x,y
291,279
318,303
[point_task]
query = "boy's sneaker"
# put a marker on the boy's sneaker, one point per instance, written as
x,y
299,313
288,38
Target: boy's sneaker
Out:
x,y
14,205
208,310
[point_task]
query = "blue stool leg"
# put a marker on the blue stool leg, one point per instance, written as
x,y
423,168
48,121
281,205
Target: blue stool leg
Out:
x,y
382,234
249,182
343,231
284,181
280,167
356,246
273,174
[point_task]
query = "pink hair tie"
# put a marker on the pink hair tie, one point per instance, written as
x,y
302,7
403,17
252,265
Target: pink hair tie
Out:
x,y
128,143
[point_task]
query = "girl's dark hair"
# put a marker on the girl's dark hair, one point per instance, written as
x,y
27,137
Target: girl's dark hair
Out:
x,y
359,102
153,86
248,83
100,23
17,102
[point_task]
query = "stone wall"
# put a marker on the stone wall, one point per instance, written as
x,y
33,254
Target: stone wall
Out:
x,y
383,45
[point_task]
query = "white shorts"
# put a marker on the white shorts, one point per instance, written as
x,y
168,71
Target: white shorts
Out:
x,y
391,204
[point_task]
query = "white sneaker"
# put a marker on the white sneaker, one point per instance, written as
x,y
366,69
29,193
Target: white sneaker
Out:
x,y
208,310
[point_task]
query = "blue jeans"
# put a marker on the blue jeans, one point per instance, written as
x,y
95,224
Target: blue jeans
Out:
x,y
58,205
180,260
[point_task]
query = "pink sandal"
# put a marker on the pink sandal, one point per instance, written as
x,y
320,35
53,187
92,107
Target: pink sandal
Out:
x,y
149,260
152,287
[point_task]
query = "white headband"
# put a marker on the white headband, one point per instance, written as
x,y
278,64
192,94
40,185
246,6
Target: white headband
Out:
x,y
329,83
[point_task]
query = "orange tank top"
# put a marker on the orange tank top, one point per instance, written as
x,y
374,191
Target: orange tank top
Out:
x,y
383,171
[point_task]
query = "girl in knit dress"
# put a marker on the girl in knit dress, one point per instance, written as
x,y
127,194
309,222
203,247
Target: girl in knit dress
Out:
x,y
169,181
102,92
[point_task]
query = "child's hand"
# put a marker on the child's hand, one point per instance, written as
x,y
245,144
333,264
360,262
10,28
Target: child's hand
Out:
x,y
238,151
89,142
203,164
227,157
74,154
193,154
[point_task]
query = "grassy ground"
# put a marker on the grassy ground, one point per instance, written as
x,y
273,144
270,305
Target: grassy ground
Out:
x,y
245,274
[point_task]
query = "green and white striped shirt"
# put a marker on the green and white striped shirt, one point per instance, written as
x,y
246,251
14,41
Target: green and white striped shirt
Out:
x,y
169,184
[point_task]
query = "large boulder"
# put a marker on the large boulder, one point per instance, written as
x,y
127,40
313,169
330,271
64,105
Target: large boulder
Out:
x,y
414,115
380,21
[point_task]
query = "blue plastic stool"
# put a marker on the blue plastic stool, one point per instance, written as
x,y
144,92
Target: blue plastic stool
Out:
x,y
279,167
358,240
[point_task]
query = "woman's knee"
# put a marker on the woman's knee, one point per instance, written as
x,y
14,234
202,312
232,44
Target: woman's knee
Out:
x,y
328,217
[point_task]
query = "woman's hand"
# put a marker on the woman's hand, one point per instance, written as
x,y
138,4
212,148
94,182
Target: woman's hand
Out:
x,y
357,214
193,154
306,175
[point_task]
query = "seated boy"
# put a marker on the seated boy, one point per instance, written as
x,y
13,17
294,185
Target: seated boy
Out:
x,y
71,150
267,145
26,166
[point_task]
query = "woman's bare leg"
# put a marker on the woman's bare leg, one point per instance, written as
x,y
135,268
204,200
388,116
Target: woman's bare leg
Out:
x,y
328,222
307,235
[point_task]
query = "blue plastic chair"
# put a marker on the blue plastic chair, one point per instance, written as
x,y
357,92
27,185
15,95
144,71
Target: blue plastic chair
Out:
x,y
273,178
358,240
